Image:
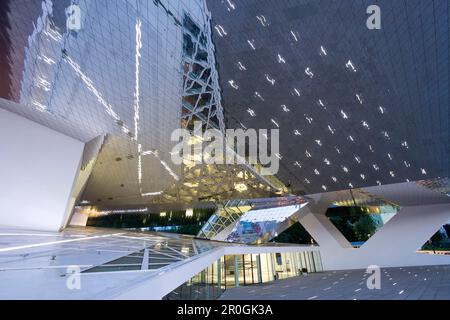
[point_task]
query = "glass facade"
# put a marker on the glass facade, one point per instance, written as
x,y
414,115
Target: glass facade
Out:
x,y
232,271
206,285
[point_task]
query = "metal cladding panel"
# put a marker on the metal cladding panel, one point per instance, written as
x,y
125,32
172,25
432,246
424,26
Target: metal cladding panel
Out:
x,y
86,83
355,107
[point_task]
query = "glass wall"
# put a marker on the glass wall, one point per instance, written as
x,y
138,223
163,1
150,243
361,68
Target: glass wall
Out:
x,y
232,271
203,286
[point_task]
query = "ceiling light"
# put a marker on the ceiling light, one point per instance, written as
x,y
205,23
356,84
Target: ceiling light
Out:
x,y
350,66
309,73
280,59
294,36
285,108
359,97
220,30
251,112
191,185
233,84
262,20
252,44
149,194
269,79
240,187
241,66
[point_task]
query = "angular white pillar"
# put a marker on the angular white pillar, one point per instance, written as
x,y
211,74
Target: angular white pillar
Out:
x,y
38,167
394,245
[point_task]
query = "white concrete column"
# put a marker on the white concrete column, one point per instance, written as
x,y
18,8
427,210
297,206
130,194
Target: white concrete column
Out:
x,y
394,245
320,227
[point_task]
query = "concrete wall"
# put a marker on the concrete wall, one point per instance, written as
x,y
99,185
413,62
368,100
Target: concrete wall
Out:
x,y
38,167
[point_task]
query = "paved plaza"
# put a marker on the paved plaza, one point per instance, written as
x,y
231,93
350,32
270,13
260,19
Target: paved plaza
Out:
x,y
412,283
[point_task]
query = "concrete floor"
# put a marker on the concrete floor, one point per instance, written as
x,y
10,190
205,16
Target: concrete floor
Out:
x,y
104,263
34,265
412,283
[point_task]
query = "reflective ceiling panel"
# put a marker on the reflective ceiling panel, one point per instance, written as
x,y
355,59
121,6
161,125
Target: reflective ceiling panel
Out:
x,y
355,107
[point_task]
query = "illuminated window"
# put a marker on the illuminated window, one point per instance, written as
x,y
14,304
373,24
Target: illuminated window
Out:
x,y
189,213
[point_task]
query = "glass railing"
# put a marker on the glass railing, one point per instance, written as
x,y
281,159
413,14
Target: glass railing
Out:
x,y
226,214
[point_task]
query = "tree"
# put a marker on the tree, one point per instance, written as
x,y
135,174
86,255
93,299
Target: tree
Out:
x,y
365,227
